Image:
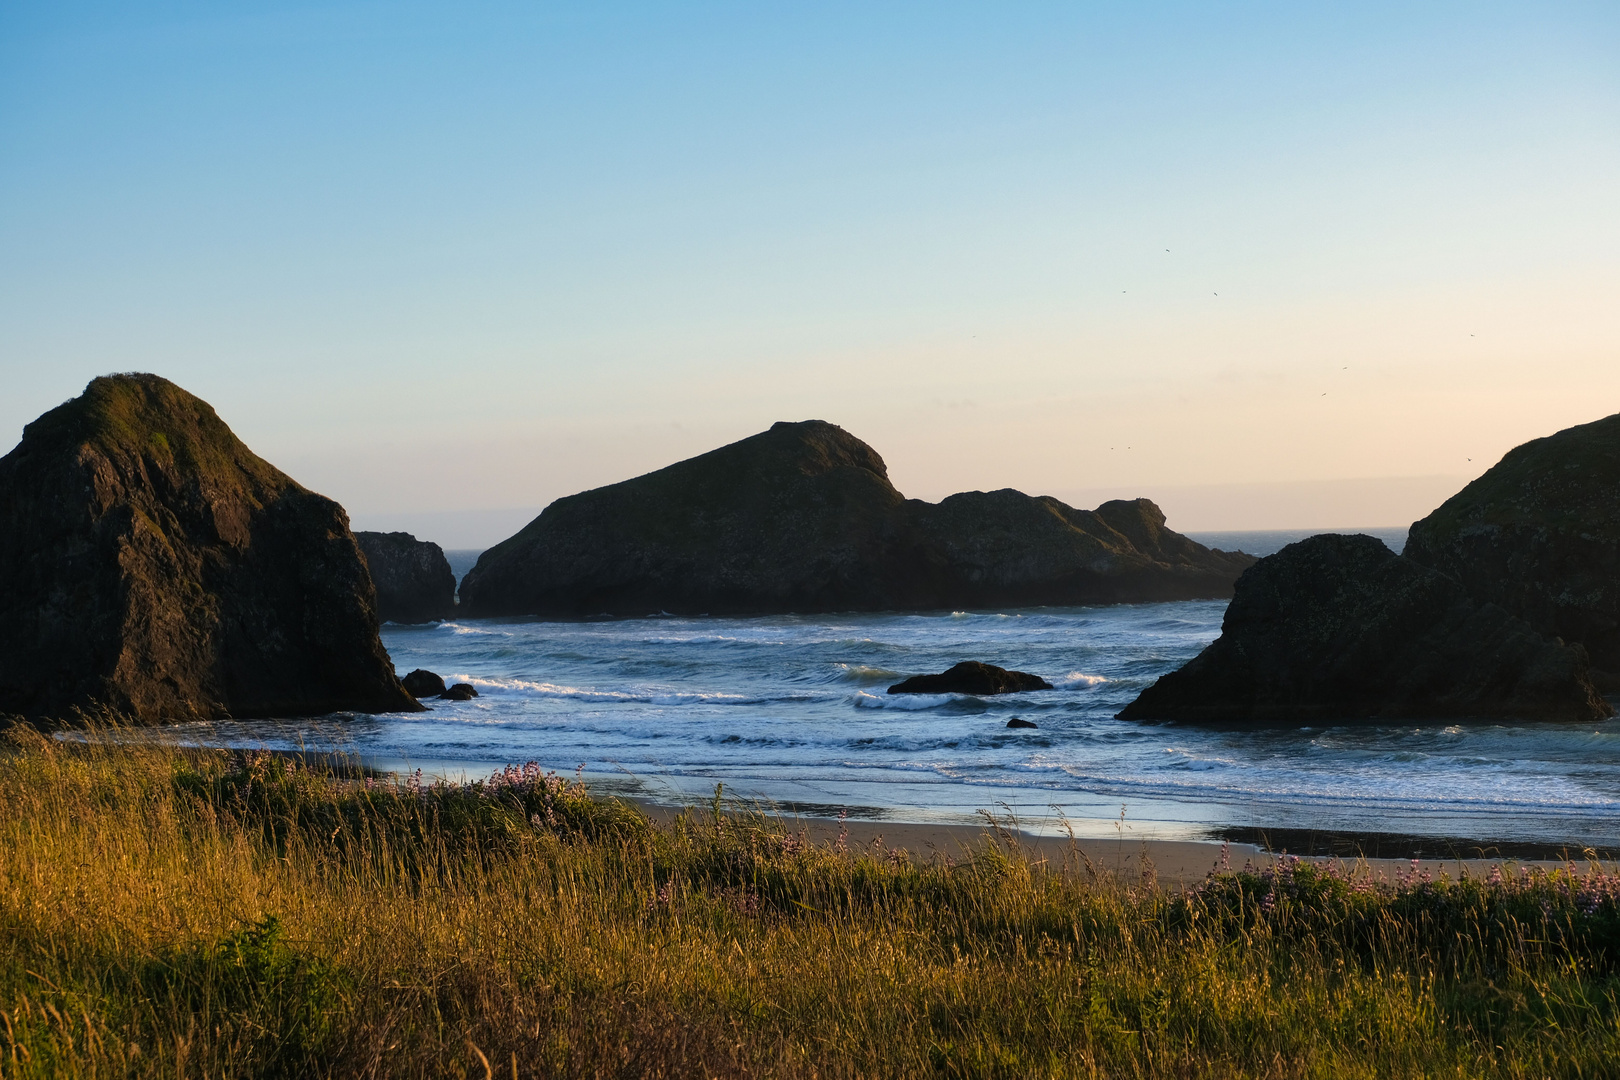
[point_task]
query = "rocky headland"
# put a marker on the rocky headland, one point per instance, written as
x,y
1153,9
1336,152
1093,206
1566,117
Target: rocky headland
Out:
x,y
413,578
1338,628
803,518
1539,534
156,567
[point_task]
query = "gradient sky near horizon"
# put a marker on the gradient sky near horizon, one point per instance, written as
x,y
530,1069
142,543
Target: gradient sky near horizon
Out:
x,y
1274,265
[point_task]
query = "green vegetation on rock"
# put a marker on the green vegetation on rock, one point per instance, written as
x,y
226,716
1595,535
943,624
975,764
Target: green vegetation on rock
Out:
x,y
156,566
1539,534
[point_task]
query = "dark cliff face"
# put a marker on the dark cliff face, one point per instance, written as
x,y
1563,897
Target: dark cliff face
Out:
x,y
156,566
800,517
1341,628
1007,548
1539,534
803,518
413,578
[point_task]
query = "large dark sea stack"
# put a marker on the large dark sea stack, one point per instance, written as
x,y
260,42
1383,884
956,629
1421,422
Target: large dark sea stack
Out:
x,y
1340,628
413,578
803,518
1539,534
155,566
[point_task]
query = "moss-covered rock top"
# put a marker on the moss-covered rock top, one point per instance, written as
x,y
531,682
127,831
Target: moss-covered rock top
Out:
x,y
1571,478
157,567
133,416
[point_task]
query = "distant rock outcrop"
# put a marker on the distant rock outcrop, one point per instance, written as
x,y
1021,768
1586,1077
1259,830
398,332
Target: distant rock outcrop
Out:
x,y
972,677
803,518
1340,628
460,692
413,578
1020,722
155,566
1539,534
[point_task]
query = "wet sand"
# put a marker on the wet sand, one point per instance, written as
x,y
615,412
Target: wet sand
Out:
x,y
1124,860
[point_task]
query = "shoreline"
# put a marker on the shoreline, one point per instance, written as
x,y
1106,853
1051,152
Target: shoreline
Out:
x,y
1173,862
1129,860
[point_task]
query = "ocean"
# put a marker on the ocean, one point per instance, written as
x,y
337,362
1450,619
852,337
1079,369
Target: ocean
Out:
x,y
790,711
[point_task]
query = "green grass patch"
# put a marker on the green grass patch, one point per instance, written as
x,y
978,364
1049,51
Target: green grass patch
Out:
x,y
168,912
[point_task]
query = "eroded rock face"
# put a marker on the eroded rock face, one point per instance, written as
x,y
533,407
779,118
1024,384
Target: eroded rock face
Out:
x,y
972,677
156,566
1340,628
1539,534
413,578
803,518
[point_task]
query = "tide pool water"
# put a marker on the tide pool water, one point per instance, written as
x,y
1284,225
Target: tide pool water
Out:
x,y
792,710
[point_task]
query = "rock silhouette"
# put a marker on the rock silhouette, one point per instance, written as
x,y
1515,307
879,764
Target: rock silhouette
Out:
x,y
1020,722
157,567
423,683
413,578
1340,628
460,692
1539,534
802,517
972,677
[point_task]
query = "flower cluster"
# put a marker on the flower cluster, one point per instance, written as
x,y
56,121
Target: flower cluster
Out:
x,y
663,898
528,784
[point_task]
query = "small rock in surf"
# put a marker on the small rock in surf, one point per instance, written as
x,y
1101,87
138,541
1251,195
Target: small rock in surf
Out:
x,y
1020,722
460,692
972,677
423,683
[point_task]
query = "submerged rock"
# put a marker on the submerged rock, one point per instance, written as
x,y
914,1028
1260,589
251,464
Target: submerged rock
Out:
x,y
1539,534
413,578
423,683
1020,722
460,692
803,518
155,566
1338,628
972,677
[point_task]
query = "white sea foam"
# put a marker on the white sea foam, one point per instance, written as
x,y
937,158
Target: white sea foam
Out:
x,y
1078,680
648,696
903,702
865,673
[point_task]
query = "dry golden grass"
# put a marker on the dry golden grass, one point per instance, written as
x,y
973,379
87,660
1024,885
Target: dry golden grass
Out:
x,y
190,913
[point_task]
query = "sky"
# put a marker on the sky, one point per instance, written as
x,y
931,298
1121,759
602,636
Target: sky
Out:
x,y
1272,265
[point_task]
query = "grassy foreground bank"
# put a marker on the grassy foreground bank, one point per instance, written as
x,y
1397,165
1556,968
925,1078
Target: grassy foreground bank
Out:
x,y
167,913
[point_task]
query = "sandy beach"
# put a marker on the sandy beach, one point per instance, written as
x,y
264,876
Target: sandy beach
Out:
x,y
1132,861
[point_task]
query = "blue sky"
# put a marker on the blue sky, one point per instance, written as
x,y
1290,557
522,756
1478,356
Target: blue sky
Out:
x,y
1274,265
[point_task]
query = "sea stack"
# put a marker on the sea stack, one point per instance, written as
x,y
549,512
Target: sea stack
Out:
x,y
157,568
413,578
803,518
1340,628
972,677
1539,534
